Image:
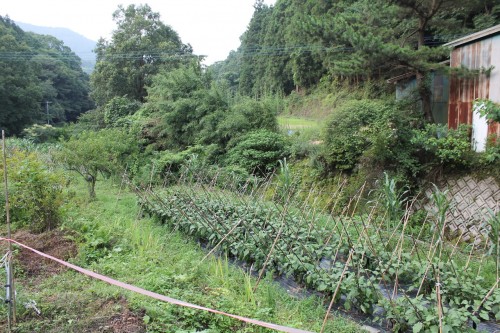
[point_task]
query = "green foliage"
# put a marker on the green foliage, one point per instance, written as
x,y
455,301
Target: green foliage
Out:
x,y
392,197
117,109
141,45
65,84
346,133
443,146
184,110
35,69
257,151
35,192
372,132
488,109
97,153
245,116
492,152
44,133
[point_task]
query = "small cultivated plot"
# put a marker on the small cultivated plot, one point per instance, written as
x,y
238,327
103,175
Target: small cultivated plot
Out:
x,y
114,238
382,266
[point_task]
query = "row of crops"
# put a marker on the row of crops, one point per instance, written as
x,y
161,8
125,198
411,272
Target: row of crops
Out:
x,y
422,285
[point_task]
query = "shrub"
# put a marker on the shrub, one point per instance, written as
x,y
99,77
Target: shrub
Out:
x,y
44,133
117,109
492,153
373,129
35,192
246,116
258,151
443,146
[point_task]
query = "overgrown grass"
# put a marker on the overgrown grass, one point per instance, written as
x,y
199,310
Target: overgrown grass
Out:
x,y
294,123
116,240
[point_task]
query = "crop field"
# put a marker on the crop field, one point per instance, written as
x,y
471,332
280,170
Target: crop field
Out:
x,y
404,276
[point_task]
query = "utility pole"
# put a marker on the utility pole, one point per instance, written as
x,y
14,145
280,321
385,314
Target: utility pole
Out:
x,y
47,109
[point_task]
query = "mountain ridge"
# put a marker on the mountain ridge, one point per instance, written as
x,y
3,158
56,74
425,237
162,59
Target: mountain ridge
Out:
x,y
81,45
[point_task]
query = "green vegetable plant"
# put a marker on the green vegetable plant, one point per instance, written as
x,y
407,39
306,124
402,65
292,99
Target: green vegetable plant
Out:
x,y
285,240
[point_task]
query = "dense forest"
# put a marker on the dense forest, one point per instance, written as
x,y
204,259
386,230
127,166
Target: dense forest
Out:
x,y
36,69
296,44
292,155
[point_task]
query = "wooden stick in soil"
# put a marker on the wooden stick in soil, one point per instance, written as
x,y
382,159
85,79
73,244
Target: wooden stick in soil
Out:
x,y
429,264
470,256
269,255
439,303
336,291
11,317
220,242
335,227
482,259
400,253
360,193
495,285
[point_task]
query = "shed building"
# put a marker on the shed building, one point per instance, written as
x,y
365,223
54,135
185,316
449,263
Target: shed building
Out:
x,y
478,51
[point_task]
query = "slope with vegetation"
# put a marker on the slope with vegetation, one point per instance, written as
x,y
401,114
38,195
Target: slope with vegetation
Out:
x,y
328,203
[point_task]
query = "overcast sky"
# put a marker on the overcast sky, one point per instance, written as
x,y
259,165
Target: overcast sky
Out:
x,y
212,27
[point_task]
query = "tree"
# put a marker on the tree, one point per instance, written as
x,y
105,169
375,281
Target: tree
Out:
x,y
20,87
252,50
139,47
65,83
423,11
176,105
35,69
97,153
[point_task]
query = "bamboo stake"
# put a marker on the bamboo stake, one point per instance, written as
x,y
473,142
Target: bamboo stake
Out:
x,y
11,299
439,303
486,297
220,242
336,291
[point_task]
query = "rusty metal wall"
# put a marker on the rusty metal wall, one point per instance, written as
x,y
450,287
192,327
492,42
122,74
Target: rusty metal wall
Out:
x,y
463,91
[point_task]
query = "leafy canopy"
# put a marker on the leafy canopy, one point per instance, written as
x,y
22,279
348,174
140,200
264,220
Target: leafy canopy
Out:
x,y
141,44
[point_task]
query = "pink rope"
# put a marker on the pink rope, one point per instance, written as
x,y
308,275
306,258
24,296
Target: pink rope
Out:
x,y
156,295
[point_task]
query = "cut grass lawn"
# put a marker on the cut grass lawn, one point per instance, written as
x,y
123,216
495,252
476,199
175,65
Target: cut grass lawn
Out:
x,y
115,240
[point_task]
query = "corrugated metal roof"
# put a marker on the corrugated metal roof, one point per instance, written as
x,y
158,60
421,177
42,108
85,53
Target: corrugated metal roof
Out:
x,y
475,36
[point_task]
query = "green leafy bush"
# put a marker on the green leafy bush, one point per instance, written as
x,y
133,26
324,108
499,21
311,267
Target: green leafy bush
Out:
x,y
492,153
248,115
370,132
258,151
444,146
117,109
44,133
35,192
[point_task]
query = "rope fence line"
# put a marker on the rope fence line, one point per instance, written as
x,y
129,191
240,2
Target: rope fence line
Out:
x,y
154,295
